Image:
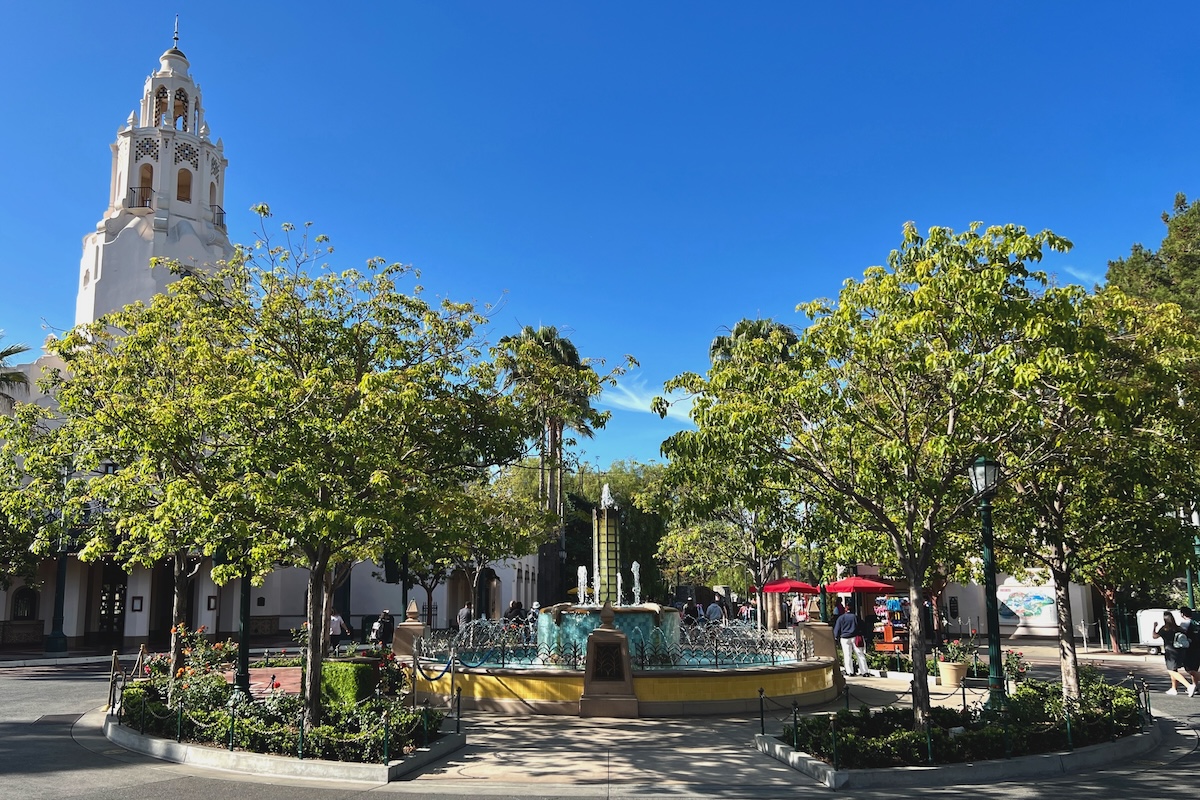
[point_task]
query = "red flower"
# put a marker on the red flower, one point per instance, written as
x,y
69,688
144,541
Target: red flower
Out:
x,y
973,631
275,685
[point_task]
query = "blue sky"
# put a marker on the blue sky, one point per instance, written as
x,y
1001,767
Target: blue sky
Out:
x,y
640,175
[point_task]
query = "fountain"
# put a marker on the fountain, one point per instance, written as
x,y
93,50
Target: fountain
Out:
x,y
597,657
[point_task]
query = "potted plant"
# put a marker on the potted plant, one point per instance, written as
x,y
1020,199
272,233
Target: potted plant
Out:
x,y
955,659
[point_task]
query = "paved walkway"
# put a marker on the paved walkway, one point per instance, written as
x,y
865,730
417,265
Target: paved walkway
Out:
x,y
50,747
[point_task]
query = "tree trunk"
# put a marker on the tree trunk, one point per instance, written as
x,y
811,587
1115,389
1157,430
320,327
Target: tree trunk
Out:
x,y
918,651
318,641
178,604
1068,661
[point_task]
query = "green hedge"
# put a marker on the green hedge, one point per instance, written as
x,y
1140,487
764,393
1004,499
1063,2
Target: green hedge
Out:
x,y
348,682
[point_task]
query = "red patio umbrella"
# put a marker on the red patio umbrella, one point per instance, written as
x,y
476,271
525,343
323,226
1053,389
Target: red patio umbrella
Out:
x,y
780,585
854,583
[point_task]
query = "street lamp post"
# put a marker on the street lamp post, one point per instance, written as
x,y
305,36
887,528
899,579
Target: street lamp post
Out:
x,y
985,473
241,678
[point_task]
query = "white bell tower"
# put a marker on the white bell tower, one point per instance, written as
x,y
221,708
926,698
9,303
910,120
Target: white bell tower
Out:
x,y
165,199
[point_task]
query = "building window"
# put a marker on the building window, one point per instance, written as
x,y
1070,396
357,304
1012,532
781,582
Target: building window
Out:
x,y
183,189
179,117
24,605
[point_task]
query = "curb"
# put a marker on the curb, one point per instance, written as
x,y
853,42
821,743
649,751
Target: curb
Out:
x,y
279,766
1044,765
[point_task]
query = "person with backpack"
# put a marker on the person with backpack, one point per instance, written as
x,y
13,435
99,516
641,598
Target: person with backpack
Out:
x,y
1174,646
382,630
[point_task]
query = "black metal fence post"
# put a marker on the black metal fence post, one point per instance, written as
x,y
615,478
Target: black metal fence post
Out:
x,y
458,709
795,725
762,712
300,741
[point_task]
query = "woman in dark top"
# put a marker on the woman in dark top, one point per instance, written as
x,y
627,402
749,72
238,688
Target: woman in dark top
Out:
x,y
1174,644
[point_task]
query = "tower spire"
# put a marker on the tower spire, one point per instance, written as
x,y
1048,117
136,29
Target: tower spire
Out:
x,y
176,37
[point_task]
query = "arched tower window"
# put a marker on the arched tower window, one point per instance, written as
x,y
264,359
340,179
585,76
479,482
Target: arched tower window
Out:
x,y
212,194
139,196
24,606
179,115
160,105
183,190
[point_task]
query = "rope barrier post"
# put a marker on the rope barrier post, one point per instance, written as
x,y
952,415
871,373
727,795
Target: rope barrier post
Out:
x,y
795,725
424,727
232,723
837,762
963,686
847,691
762,712
386,736
179,723
1070,742
1007,740
300,743
929,743
142,730
458,709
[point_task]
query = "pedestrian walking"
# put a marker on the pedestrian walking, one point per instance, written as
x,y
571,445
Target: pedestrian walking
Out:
x,y
338,629
465,615
1174,644
848,630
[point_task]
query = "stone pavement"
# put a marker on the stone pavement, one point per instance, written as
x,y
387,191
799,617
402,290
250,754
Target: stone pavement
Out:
x,y
50,747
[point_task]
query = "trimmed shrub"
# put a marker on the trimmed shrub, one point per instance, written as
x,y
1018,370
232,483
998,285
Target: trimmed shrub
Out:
x,y
348,682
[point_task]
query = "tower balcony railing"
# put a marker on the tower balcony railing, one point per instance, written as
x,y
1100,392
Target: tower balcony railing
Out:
x,y
140,196
218,216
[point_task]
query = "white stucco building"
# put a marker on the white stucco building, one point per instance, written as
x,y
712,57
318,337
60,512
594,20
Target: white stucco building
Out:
x,y
165,200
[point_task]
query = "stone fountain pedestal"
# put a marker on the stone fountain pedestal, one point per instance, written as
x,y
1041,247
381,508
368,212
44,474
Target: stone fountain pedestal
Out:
x,y
608,673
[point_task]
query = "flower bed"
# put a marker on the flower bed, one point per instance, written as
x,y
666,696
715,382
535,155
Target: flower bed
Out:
x,y
364,717
1035,722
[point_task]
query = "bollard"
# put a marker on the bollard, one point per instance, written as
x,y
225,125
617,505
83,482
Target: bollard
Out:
x,y
833,734
762,713
300,745
386,737
457,709
795,725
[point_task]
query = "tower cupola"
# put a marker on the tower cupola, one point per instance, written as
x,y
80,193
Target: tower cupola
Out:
x,y
166,195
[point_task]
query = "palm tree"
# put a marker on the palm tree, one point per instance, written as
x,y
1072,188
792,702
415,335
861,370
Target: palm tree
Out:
x,y
11,378
779,335
556,386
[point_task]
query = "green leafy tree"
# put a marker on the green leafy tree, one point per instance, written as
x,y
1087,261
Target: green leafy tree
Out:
x,y
1170,274
1102,404
888,395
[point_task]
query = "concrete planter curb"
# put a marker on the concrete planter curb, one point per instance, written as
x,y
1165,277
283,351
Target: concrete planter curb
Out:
x,y
280,766
1039,766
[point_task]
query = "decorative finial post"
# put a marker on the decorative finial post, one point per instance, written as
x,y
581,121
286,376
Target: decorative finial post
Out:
x,y
176,37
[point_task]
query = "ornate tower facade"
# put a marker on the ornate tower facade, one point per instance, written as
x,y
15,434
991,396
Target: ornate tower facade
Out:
x,y
165,198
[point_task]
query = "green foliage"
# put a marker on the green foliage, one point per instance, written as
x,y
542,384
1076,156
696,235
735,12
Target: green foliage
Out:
x,y
272,725
347,682
1035,723
1172,273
